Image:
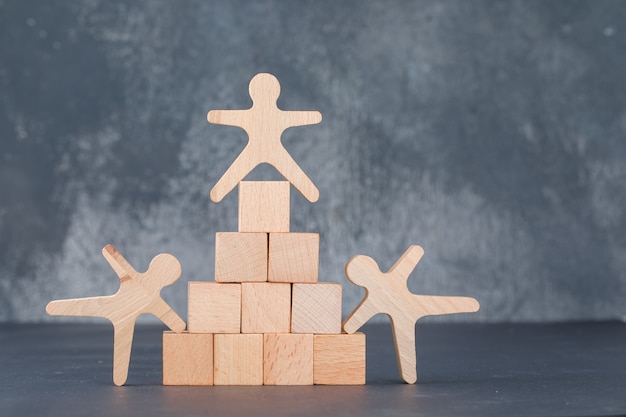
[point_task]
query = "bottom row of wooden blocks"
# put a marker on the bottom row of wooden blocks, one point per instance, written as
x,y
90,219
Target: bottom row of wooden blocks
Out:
x,y
263,359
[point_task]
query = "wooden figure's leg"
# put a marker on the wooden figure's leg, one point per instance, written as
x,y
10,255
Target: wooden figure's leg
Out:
x,y
404,337
285,164
436,305
82,307
242,166
122,344
360,316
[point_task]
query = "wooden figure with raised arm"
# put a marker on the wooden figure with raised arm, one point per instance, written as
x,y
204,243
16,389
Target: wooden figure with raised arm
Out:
x,y
264,123
388,293
139,293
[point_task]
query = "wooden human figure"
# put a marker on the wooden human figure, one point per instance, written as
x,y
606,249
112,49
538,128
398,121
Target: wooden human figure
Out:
x,y
264,122
139,293
388,293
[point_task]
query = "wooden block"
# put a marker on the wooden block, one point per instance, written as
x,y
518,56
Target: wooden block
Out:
x,y
293,257
388,292
241,257
316,308
288,359
187,359
214,307
238,359
265,307
264,123
264,206
139,293
339,359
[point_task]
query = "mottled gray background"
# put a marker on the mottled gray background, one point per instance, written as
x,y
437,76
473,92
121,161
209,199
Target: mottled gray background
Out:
x,y
491,133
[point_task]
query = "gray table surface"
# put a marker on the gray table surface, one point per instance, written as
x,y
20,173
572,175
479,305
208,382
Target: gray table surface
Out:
x,y
464,369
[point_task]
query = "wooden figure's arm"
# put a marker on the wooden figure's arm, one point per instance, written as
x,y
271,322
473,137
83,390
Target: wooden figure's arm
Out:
x,y
300,118
408,261
119,264
361,314
228,117
167,315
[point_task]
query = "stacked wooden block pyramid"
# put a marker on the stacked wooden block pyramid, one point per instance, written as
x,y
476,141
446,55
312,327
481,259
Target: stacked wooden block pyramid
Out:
x,y
266,319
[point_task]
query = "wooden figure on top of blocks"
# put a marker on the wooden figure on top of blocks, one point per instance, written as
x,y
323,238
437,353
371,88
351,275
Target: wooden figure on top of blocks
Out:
x,y
264,123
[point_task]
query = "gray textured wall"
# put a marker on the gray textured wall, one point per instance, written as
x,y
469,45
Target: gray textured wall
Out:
x,y
491,133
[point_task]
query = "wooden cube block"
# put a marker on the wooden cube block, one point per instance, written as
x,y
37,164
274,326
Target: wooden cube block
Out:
x,y
316,308
241,257
187,359
214,308
293,257
265,307
288,359
339,359
238,359
264,206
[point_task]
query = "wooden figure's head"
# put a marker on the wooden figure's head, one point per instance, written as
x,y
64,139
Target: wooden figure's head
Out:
x,y
265,88
360,269
164,270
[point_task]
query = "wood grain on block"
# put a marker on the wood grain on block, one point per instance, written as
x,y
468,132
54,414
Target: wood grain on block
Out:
x,y
139,293
238,359
264,123
265,307
339,359
316,308
241,257
388,293
214,307
288,359
187,359
293,257
264,206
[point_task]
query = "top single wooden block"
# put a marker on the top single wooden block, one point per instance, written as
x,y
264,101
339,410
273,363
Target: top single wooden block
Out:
x,y
264,206
264,123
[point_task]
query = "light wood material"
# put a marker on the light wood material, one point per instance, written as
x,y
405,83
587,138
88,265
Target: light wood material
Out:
x,y
288,359
264,123
238,359
388,293
240,257
293,257
214,307
139,293
265,307
339,359
187,359
264,206
316,308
